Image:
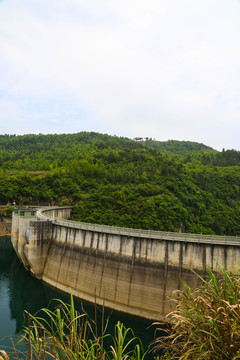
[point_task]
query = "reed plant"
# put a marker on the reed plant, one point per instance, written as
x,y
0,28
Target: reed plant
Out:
x,y
206,321
64,334
4,355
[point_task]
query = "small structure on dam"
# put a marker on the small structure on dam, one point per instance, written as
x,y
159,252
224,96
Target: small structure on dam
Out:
x,y
134,271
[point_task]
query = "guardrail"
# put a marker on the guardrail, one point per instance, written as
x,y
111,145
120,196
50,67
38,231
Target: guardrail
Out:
x,y
141,233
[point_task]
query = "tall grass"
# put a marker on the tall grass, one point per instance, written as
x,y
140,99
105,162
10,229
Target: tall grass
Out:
x,y
64,334
206,321
205,325
3,355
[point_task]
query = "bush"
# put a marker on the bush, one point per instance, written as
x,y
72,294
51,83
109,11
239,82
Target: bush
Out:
x,y
206,322
64,334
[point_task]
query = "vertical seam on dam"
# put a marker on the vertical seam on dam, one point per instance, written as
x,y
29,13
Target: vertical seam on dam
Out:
x,y
225,257
204,258
116,281
165,277
180,265
212,253
101,279
60,262
84,237
79,265
92,238
130,283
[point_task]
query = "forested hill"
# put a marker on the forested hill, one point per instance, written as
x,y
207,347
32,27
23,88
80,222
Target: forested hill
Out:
x,y
140,183
174,146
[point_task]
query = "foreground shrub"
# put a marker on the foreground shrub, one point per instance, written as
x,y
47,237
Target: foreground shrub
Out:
x,y
206,321
3,355
66,334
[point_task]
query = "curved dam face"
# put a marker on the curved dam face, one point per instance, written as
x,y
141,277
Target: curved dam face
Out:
x,y
133,271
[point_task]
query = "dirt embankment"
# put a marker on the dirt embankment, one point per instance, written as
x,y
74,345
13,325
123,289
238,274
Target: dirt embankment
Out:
x,y
5,222
5,229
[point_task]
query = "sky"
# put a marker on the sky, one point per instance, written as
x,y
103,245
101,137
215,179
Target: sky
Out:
x,y
164,69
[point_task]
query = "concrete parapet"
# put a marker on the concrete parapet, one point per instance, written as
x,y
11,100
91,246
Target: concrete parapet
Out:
x,y
56,213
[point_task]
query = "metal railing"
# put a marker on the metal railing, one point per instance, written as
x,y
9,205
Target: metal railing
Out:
x,y
146,234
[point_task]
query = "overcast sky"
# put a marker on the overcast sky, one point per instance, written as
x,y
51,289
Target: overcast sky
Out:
x,y
166,69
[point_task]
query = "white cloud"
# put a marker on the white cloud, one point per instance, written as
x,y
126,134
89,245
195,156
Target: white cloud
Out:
x,y
164,69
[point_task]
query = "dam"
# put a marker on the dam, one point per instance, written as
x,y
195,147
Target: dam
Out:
x,y
129,270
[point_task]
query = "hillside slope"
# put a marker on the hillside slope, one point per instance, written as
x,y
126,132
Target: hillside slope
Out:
x,y
118,181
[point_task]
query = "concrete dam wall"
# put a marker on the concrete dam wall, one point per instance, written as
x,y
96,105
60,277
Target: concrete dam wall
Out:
x,y
133,271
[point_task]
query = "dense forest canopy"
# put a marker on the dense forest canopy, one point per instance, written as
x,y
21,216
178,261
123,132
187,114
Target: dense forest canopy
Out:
x,y
140,183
